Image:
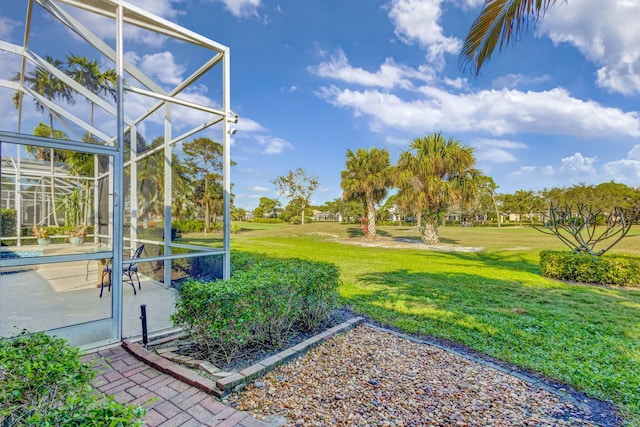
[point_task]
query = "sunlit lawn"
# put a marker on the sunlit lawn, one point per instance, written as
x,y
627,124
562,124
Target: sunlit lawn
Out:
x,y
493,301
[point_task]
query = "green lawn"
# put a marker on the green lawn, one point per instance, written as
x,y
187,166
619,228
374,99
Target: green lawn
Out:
x,y
493,301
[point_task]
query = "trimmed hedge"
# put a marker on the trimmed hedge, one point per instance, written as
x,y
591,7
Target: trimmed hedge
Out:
x,y
265,302
44,383
606,270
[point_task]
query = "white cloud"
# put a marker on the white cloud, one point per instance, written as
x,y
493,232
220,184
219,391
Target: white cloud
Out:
x,y
579,168
242,8
625,170
579,164
258,189
6,27
104,27
388,76
496,112
162,66
273,145
419,20
512,81
496,150
246,125
605,32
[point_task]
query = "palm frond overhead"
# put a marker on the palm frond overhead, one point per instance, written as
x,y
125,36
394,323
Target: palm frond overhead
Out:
x,y
499,22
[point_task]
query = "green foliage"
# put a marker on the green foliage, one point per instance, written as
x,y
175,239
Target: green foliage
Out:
x,y
189,225
43,382
268,220
495,301
606,270
8,221
264,303
217,315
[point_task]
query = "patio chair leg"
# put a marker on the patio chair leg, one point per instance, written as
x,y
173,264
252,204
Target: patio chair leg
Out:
x,y
102,284
133,285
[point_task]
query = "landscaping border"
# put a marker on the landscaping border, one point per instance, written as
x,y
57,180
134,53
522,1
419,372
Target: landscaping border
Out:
x,y
239,380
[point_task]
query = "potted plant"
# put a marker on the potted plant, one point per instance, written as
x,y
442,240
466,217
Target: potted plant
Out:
x,y
42,234
77,235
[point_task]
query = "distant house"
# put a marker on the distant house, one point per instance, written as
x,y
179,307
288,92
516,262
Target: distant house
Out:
x,y
324,216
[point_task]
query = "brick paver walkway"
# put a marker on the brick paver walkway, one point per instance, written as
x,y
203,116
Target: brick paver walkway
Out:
x,y
170,402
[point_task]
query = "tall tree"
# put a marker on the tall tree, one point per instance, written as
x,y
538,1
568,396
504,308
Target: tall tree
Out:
x,y
203,159
488,186
88,74
367,177
434,175
45,83
297,186
267,206
500,21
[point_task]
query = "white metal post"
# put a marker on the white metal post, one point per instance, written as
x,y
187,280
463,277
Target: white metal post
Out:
x,y
226,158
118,185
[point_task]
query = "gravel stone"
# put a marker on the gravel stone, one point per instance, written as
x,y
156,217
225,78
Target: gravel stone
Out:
x,y
415,385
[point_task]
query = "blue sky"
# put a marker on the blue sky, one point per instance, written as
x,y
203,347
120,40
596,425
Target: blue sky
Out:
x,y
311,79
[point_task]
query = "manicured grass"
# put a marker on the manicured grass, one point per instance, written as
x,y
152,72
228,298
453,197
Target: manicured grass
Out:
x,y
494,301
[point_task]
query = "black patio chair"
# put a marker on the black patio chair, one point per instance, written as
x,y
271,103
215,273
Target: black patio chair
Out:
x,y
127,273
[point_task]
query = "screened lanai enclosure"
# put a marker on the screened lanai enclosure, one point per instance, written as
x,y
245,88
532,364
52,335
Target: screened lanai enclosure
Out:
x,y
91,131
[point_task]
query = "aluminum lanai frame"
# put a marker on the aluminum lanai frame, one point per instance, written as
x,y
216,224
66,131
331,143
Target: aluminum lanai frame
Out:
x,y
123,12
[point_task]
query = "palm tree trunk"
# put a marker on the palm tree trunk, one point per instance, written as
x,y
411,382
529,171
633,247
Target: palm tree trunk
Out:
x,y
495,205
53,180
371,213
430,233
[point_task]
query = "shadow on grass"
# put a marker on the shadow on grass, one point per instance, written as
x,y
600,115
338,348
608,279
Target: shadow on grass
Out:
x,y
551,330
359,232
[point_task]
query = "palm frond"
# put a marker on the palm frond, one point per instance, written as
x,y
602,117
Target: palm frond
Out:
x,y
499,21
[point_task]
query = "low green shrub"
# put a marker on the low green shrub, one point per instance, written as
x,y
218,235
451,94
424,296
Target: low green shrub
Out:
x,y
268,220
217,315
265,302
44,383
607,270
189,226
8,222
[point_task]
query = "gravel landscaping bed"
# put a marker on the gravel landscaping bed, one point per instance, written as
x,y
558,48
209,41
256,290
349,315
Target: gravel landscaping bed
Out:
x,y
369,377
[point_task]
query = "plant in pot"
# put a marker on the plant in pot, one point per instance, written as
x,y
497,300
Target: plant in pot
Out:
x,y
77,235
42,234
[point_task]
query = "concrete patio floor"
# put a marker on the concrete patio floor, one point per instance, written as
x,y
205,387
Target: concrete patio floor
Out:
x,y
50,296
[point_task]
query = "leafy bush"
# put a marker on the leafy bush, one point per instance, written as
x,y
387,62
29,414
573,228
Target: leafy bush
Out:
x,y
268,220
265,302
606,270
8,221
217,315
43,382
189,226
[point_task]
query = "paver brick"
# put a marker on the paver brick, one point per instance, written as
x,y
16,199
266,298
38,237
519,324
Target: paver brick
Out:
x,y
233,419
123,397
116,387
178,420
200,413
167,409
188,398
212,405
154,419
179,386
137,391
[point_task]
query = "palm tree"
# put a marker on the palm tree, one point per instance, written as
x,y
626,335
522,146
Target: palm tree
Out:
x,y
367,178
499,20
436,175
89,75
46,84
